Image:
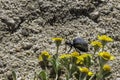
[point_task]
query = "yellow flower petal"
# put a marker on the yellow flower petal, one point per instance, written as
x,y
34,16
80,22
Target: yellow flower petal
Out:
x,y
85,55
90,73
106,55
44,55
80,60
65,56
96,44
106,67
105,38
57,39
112,58
84,70
40,58
75,54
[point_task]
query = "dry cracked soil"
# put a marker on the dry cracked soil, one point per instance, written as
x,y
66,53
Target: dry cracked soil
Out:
x,y
27,26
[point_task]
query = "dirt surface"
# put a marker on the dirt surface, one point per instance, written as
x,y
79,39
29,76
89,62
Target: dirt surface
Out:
x,y
27,26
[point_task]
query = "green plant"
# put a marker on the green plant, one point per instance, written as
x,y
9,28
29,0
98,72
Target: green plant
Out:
x,y
83,66
75,66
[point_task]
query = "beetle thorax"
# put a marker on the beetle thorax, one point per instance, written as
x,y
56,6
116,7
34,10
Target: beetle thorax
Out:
x,y
69,43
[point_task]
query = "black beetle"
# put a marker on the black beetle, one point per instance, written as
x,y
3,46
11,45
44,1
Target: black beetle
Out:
x,y
79,44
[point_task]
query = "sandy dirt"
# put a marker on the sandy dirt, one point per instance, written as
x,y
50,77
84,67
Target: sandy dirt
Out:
x,y
27,26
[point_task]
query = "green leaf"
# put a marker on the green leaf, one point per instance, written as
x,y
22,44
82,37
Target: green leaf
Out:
x,y
106,74
43,75
56,65
88,61
73,69
14,75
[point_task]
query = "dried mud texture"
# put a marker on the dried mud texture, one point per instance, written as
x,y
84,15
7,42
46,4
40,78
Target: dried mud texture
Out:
x,y
27,26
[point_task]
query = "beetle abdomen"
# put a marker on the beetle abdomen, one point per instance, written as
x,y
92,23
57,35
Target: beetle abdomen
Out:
x,y
80,44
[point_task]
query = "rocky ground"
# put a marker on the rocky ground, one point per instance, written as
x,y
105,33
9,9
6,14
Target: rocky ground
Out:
x,y
27,26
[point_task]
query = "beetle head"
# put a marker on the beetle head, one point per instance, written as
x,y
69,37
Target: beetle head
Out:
x,y
69,43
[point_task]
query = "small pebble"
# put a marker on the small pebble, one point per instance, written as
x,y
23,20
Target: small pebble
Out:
x,y
118,6
9,75
94,15
27,46
117,37
25,32
1,64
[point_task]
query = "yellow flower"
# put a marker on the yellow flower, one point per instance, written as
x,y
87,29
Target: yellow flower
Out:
x,y
106,55
75,54
85,55
65,56
106,67
96,44
84,70
105,38
80,60
90,73
57,41
44,55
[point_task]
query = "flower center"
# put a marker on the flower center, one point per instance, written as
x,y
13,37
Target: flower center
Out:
x,y
106,56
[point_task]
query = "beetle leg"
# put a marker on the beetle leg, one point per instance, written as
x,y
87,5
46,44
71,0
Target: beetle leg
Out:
x,y
65,49
69,49
77,50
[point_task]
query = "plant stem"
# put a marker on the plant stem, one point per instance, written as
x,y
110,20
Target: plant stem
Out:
x,y
85,78
57,49
69,73
45,65
91,78
100,76
56,55
56,78
56,60
104,43
103,48
94,52
80,76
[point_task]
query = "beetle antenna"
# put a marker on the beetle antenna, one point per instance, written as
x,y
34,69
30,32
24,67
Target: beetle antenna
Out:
x,y
70,49
65,49
68,43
